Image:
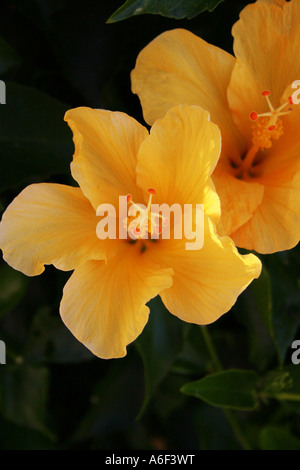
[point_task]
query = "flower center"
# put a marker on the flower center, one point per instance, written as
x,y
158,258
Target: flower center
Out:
x,y
144,223
266,128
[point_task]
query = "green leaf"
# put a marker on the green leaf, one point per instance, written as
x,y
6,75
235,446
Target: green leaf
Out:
x,y
35,141
12,288
8,56
159,345
283,385
233,388
276,381
23,396
178,10
278,438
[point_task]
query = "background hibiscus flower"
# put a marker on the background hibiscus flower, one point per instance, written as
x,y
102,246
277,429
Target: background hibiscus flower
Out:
x,y
258,177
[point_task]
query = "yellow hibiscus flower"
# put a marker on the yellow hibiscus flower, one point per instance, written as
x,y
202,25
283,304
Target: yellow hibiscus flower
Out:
x,y
249,96
104,301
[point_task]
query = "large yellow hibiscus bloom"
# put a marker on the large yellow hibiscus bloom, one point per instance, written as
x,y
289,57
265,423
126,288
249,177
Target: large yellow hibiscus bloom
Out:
x,y
104,301
249,96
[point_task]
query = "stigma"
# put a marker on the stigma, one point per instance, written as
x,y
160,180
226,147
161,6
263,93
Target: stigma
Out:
x,y
147,224
268,126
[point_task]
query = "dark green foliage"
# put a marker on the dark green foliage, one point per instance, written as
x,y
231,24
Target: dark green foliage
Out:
x,y
179,9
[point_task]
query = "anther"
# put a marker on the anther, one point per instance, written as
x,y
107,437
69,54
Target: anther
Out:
x,y
253,116
151,191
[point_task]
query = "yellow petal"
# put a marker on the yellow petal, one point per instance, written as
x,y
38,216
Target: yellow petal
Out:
x,y
207,282
266,41
266,44
180,68
275,225
106,146
244,95
178,158
103,305
239,199
49,224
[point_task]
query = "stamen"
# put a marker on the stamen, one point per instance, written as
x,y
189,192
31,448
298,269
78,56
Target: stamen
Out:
x,y
268,125
148,222
266,128
266,94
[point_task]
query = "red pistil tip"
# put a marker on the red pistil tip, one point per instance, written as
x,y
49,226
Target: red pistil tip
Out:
x,y
271,128
291,100
136,231
128,198
151,191
266,93
253,116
